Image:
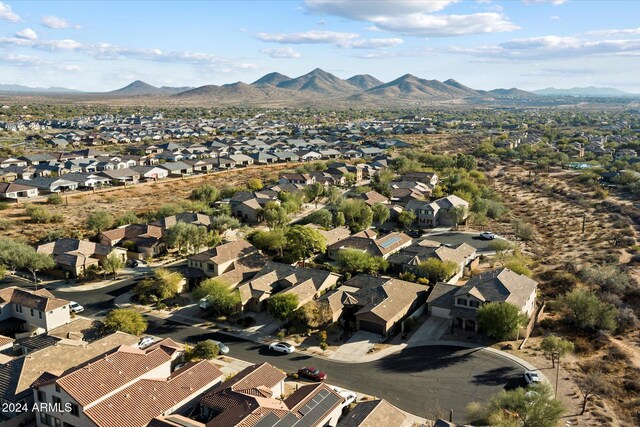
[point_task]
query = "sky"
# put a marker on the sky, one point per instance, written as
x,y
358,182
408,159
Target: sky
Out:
x,y
484,44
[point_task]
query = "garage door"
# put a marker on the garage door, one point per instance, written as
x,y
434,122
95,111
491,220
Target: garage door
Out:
x,y
366,325
440,312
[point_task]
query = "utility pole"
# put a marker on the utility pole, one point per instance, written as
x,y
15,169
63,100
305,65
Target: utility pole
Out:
x,y
584,221
556,357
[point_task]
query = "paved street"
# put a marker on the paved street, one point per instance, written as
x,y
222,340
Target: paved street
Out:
x,y
421,380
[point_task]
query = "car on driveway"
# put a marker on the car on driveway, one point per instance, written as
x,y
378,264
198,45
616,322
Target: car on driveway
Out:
x,y
75,307
487,235
348,396
223,348
531,377
312,374
282,347
146,342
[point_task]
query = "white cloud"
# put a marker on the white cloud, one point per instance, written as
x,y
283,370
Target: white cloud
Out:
x,y
7,14
307,37
366,10
627,31
27,33
55,22
555,18
446,25
553,2
281,52
38,63
371,43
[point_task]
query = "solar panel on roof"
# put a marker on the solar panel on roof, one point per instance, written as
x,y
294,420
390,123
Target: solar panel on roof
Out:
x,y
390,242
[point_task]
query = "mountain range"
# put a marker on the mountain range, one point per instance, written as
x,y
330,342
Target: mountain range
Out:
x,y
590,91
319,87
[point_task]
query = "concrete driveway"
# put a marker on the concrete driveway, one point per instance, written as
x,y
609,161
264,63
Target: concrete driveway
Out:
x,y
431,330
357,346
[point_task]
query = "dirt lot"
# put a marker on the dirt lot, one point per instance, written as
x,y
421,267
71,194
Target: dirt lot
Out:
x,y
139,199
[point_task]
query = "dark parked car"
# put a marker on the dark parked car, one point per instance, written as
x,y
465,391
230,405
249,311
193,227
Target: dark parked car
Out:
x,y
312,374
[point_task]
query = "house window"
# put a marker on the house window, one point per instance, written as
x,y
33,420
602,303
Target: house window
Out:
x,y
39,314
75,411
58,388
461,301
474,304
56,401
32,313
42,396
18,308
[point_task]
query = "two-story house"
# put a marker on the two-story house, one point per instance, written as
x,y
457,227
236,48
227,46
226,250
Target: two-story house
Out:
x,y
439,213
40,310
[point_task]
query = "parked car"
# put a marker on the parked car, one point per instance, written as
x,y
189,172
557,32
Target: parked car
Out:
x,y
487,235
414,233
532,377
179,366
282,347
223,348
348,396
137,263
146,342
312,374
75,307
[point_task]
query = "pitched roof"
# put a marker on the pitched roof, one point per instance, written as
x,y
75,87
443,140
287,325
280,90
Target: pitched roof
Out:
x,y
502,285
374,413
41,299
137,404
377,246
226,252
91,381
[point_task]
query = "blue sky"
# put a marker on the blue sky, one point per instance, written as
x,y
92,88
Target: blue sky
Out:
x,y
484,44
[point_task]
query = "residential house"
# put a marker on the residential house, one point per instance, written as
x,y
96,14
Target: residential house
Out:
x,y
410,258
177,168
126,386
123,176
241,159
38,311
331,236
439,213
5,162
21,373
13,191
140,240
296,178
379,304
373,197
73,257
49,185
87,180
430,178
232,262
273,278
369,242
247,205
461,303
195,218
375,413
253,400
151,173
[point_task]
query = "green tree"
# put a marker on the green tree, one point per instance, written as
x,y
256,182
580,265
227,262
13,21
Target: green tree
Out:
x,y
35,262
533,406
436,270
338,219
553,344
458,214
163,285
204,350
380,213
314,192
333,195
125,320
222,299
302,242
99,221
282,305
224,222
585,310
274,216
205,193
501,248
112,264
358,216
518,265
500,320
190,238
321,217
126,218
273,241
355,261
406,218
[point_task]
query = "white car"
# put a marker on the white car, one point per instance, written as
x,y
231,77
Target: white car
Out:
x,y
282,347
532,377
487,235
223,348
146,342
348,396
75,307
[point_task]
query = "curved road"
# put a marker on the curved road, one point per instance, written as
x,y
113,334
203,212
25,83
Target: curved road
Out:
x,y
426,381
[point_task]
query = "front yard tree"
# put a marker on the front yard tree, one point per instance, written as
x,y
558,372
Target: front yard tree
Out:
x,y
355,261
204,350
436,270
190,238
357,214
500,320
380,213
458,213
282,306
35,262
125,320
321,217
274,216
302,242
222,299
333,195
270,241
518,408
112,264
406,218
314,192
99,221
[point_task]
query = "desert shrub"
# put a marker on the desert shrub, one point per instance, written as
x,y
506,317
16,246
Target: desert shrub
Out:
x,y
609,278
55,199
4,206
5,224
627,320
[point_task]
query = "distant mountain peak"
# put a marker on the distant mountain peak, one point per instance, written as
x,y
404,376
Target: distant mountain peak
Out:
x,y
273,79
